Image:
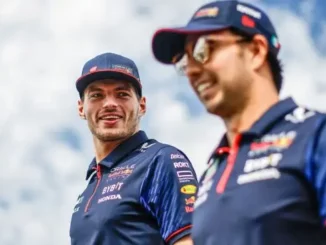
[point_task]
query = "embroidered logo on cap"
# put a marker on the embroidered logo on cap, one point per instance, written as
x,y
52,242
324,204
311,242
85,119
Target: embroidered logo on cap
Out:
x,y
93,69
247,21
207,12
249,11
122,68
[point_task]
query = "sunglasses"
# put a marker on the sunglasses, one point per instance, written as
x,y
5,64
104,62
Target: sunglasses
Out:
x,y
202,51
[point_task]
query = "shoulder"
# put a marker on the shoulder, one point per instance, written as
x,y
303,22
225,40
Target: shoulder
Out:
x,y
304,114
171,152
168,155
162,149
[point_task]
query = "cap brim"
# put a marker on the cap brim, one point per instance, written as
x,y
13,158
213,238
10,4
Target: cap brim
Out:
x,y
85,80
168,42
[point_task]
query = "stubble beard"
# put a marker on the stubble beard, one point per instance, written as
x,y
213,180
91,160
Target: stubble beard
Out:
x,y
233,99
116,134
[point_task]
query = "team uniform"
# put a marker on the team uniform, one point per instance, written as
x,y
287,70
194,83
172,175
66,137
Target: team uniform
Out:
x,y
270,186
141,193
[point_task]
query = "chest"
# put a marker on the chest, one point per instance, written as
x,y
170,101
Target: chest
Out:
x,y
263,195
264,178
110,198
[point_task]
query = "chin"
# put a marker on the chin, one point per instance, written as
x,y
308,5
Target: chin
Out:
x,y
214,106
110,134
113,134
211,110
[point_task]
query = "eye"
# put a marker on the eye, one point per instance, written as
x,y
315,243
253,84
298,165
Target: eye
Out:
x,y
211,45
123,94
95,95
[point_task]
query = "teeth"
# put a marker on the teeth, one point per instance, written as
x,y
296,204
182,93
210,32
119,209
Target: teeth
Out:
x,y
110,117
203,86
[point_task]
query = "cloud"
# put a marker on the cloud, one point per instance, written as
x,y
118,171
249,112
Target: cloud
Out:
x,y
45,148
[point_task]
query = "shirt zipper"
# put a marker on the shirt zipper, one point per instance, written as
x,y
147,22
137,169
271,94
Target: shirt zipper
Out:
x,y
220,187
98,174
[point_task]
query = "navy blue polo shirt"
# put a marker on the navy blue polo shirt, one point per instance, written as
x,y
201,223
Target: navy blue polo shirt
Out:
x,y
269,187
142,193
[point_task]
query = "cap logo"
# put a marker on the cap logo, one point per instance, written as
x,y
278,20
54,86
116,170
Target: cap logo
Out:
x,y
249,11
207,12
93,69
122,68
248,22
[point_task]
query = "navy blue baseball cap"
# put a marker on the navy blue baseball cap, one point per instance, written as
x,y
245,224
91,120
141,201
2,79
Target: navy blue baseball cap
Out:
x,y
215,16
109,65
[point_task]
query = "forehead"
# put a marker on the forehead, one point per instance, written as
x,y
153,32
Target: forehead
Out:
x,y
109,84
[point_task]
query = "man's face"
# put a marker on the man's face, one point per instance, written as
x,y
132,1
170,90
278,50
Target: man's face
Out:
x,y
112,109
222,82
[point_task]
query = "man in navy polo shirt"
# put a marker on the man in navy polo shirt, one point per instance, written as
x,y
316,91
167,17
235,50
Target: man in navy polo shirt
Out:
x,y
266,181
139,191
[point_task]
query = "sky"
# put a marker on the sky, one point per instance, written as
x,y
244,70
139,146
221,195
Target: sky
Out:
x,y
45,148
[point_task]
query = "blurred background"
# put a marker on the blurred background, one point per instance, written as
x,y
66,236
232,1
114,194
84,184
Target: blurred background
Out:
x,y
45,148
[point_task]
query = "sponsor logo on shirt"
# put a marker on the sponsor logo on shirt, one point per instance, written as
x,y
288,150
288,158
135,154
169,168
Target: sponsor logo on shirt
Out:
x,y
121,172
185,176
185,173
263,162
181,164
189,209
177,156
109,197
261,169
272,142
188,189
112,188
299,115
190,200
145,146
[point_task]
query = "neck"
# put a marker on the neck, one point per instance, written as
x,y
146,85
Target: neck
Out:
x,y
259,102
104,148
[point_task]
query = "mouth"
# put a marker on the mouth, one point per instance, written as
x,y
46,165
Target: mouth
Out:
x,y
201,88
110,118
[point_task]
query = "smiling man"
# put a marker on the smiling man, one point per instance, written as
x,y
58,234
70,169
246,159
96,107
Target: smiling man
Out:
x,y
139,190
265,182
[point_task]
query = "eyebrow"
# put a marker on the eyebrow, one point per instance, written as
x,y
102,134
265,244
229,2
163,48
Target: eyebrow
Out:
x,y
126,86
94,88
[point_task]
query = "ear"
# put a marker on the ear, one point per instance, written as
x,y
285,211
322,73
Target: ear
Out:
x,y
81,109
259,50
142,106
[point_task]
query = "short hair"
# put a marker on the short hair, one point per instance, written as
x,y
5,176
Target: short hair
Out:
x,y
275,64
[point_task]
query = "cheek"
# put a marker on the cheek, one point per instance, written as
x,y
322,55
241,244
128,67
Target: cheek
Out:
x,y
131,109
89,110
225,66
219,64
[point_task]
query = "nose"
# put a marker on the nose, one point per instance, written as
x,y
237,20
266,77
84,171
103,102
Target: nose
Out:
x,y
110,102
